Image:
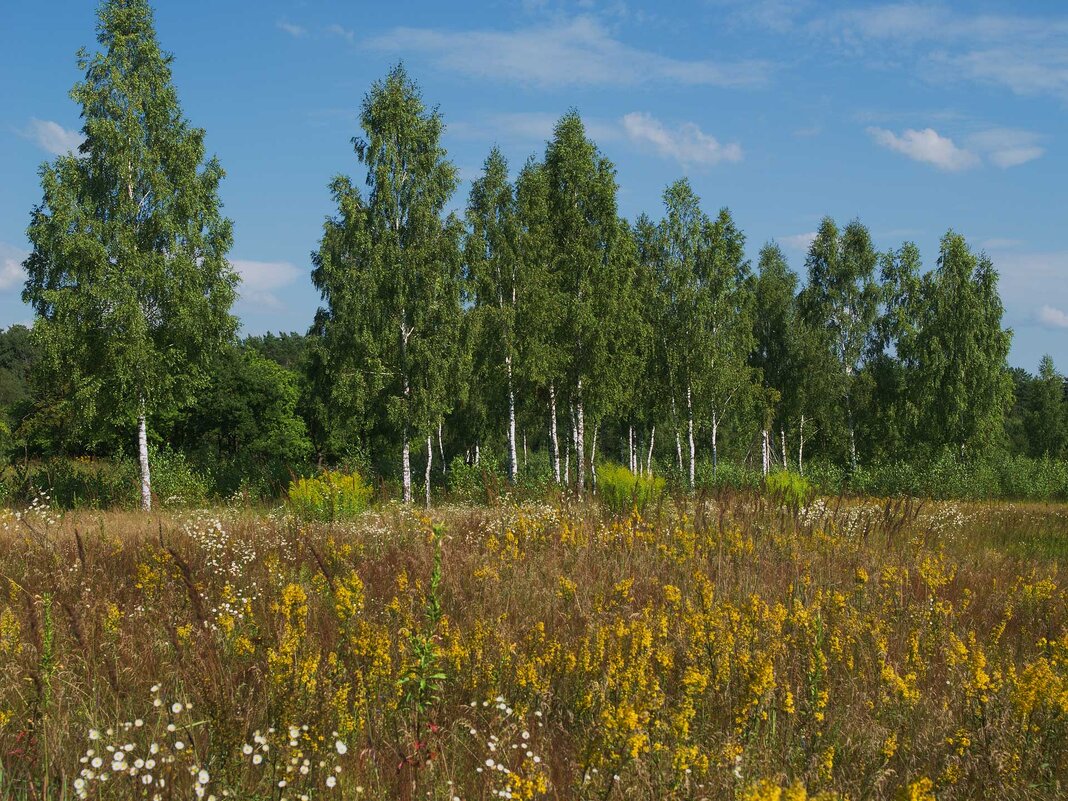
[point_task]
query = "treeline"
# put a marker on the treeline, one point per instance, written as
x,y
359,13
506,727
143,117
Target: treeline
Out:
x,y
538,329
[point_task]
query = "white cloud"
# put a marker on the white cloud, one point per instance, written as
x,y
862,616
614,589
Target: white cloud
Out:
x,y
927,146
260,280
575,52
339,30
53,137
11,272
1007,147
1052,317
798,241
296,31
1026,54
686,143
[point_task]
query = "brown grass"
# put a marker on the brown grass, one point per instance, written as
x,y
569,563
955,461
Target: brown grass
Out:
x,y
723,648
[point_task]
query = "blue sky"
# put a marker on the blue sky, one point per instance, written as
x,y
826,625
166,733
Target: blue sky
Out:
x,y
914,117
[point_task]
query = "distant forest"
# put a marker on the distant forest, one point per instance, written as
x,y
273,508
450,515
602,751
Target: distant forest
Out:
x,y
537,333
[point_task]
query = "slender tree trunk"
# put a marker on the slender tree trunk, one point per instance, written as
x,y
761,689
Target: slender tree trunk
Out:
x,y
478,455
765,452
429,461
580,442
801,447
715,444
524,450
693,445
593,458
406,466
630,449
649,458
142,456
554,440
782,441
441,450
567,464
513,461
678,450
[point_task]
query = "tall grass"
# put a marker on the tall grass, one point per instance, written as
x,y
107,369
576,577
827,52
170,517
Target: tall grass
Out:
x,y
714,649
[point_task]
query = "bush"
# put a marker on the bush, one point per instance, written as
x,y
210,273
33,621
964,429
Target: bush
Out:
x,y
332,495
726,475
175,482
622,492
789,489
476,483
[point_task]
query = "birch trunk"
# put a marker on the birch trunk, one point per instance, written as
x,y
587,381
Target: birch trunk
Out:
x,y
142,457
406,466
554,441
649,458
429,461
765,453
693,446
580,443
782,441
715,444
567,465
593,459
630,449
513,460
801,447
441,450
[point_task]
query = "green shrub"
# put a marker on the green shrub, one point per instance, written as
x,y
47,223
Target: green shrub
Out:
x,y
726,475
332,495
476,483
175,482
622,492
789,489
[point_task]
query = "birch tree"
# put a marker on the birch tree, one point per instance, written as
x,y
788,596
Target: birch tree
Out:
x,y
388,268
684,328
128,273
582,205
840,302
725,302
493,274
539,314
960,381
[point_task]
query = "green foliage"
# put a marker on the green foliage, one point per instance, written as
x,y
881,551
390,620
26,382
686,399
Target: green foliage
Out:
x,y
388,268
244,426
620,491
332,495
476,483
128,273
175,481
789,489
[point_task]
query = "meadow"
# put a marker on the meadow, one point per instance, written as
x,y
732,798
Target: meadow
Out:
x,y
723,646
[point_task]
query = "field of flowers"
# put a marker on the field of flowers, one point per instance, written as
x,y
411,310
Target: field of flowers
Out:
x,y
719,648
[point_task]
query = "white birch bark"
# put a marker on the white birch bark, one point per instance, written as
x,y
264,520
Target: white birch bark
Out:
x,y
692,444
429,461
142,457
715,444
441,450
406,466
554,440
649,458
513,460
580,442
593,459
801,447
782,441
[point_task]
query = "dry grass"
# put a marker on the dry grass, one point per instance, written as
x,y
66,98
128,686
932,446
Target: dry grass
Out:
x,y
718,649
